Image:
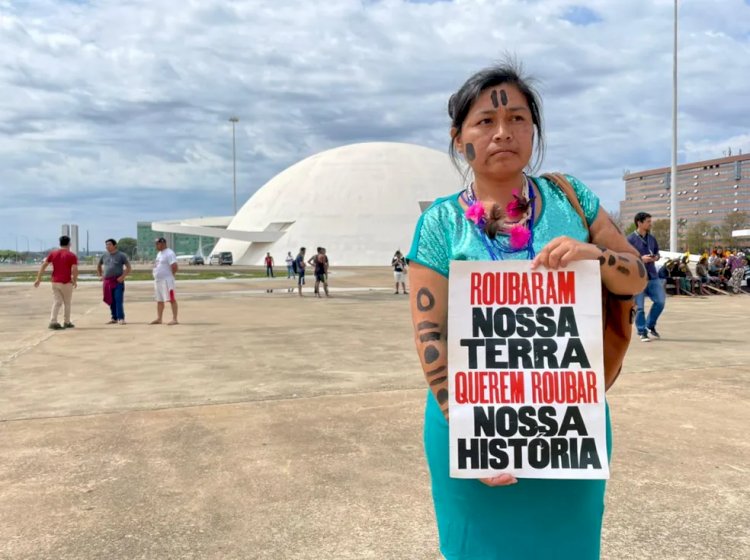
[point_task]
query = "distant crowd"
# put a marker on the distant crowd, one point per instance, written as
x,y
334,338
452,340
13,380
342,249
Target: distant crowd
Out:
x,y
718,271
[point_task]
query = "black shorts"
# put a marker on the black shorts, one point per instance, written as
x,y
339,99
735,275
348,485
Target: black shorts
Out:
x,y
321,277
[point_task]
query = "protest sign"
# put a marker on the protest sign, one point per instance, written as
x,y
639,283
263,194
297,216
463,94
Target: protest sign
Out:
x,y
526,371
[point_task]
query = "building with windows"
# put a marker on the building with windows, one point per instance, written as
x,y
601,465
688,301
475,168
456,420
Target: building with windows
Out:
x,y
706,191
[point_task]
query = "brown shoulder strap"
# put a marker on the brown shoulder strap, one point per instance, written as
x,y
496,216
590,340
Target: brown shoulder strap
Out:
x,y
562,182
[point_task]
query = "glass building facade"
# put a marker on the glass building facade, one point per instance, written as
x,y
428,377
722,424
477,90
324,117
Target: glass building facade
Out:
x,y
181,244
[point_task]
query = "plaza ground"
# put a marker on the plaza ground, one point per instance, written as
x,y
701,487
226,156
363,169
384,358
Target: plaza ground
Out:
x,y
270,426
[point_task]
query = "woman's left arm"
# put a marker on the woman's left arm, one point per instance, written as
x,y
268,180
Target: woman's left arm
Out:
x,y
623,272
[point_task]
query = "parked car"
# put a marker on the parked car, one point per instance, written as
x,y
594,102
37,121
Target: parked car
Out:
x,y
197,259
225,257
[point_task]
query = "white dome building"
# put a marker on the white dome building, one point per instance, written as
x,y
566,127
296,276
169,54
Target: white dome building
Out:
x,y
361,202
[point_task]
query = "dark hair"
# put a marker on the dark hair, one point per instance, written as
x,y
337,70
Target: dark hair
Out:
x,y
64,241
641,217
112,241
508,72
301,249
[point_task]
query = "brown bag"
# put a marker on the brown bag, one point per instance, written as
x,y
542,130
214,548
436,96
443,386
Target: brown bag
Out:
x,y
618,312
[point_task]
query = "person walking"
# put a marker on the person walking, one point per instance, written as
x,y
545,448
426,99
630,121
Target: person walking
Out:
x,y
289,265
112,269
269,265
64,280
496,125
648,247
398,262
165,268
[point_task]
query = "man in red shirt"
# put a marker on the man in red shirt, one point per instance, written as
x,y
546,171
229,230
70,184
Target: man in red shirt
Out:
x,y
64,279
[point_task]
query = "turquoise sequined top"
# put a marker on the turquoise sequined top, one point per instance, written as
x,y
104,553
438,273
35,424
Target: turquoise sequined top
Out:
x,y
444,234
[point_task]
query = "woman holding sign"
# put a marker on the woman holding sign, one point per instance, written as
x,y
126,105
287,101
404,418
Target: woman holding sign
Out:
x,y
504,214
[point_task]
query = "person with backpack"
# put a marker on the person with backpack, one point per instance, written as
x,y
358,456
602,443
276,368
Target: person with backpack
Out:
x,y
496,127
398,262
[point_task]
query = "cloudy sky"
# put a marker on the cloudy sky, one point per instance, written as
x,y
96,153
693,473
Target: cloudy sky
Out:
x,y
114,111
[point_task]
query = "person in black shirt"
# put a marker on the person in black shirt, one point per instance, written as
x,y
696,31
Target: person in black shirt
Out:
x,y
648,247
320,261
399,270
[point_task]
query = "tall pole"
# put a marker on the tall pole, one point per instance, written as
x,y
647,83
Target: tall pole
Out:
x,y
234,121
673,178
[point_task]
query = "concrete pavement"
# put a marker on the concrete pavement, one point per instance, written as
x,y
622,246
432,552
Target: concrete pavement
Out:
x,y
272,426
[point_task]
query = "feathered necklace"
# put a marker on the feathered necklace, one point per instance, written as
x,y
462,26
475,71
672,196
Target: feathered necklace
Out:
x,y
517,222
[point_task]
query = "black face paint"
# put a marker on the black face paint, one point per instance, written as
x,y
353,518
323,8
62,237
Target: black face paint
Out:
x,y
471,154
442,396
612,260
431,354
427,337
426,325
425,299
623,270
641,269
503,97
493,97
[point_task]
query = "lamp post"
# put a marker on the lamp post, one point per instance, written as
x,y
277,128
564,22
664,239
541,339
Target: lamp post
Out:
x,y
234,121
673,177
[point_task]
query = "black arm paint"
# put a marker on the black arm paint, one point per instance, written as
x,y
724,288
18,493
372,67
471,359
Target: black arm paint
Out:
x,y
425,294
431,354
427,337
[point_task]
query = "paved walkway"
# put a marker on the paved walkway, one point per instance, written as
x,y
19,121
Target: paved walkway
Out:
x,y
270,426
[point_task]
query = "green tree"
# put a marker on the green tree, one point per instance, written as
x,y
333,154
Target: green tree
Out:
x,y
128,245
660,230
630,229
733,221
698,237
9,256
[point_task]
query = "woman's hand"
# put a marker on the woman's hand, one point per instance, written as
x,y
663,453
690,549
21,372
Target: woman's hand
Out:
x,y
501,480
562,251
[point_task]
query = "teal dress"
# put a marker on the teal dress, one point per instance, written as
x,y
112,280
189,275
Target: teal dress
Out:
x,y
533,519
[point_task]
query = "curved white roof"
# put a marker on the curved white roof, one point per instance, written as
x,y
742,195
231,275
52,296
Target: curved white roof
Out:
x,y
361,202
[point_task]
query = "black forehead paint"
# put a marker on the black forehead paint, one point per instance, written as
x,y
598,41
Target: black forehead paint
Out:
x,y
470,152
493,97
503,97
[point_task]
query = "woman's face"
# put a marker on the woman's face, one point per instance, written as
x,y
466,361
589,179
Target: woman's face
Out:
x,y
498,134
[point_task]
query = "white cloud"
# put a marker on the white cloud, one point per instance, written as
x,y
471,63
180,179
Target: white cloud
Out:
x,y
132,97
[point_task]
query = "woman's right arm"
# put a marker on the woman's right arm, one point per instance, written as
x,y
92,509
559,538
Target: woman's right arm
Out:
x,y
429,313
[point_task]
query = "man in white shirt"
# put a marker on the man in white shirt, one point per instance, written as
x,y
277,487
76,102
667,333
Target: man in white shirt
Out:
x,y
165,267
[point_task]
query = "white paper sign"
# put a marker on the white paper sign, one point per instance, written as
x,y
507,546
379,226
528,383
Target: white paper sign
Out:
x,y
526,371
